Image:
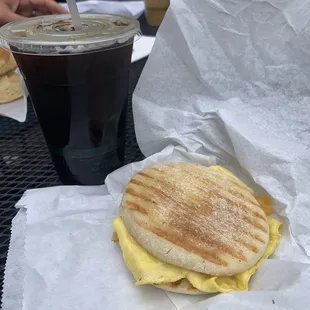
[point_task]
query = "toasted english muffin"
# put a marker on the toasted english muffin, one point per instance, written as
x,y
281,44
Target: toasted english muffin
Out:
x,y
10,87
7,61
183,287
195,217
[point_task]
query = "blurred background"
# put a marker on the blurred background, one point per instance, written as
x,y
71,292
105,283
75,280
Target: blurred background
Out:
x,y
154,9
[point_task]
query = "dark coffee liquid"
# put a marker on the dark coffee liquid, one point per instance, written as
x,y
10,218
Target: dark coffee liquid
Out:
x,y
80,101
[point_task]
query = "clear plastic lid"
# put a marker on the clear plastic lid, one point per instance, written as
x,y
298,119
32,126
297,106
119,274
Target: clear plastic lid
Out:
x,y
55,34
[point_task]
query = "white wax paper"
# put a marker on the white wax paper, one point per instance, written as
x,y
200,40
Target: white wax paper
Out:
x,y
142,48
70,260
14,270
16,109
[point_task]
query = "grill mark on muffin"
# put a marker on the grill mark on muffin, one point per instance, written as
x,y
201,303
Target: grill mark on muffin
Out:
x,y
247,232
158,170
212,241
145,175
189,226
135,206
132,192
238,184
240,204
241,196
220,175
256,225
164,195
232,179
258,238
161,194
259,215
249,246
206,179
233,203
172,237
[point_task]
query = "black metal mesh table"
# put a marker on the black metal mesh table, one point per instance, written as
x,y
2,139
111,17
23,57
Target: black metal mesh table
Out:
x,y
25,161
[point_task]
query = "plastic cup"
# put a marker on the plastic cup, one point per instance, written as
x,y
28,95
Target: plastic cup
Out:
x,y
155,11
78,84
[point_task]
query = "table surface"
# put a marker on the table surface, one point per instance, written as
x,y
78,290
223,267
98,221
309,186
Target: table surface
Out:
x,y
25,162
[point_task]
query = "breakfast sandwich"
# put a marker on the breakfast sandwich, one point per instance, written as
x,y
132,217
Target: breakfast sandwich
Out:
x,y
10,84
10,87
192,229
7,61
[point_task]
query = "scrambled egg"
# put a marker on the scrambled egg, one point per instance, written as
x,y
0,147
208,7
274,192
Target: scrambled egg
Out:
x,y
147,269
